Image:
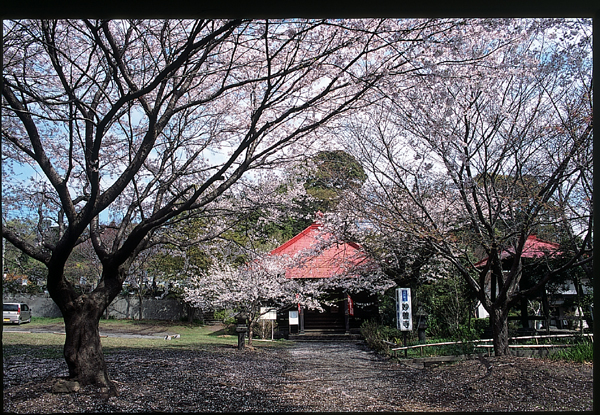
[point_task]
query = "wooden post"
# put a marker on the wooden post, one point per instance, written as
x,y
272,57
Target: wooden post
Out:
x,y
301,315
546,310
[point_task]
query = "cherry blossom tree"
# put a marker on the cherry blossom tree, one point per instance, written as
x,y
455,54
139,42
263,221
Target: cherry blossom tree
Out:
x,y
263,281
485,153
142,123
259,283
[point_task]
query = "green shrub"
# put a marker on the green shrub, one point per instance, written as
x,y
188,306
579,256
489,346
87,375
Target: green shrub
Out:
x,y
479,325
375,335
226,316
194,322
579,353
449,303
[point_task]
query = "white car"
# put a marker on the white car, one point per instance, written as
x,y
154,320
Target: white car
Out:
x,y
16,313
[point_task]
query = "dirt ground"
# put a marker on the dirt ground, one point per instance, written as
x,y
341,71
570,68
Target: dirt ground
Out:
x,y
306,377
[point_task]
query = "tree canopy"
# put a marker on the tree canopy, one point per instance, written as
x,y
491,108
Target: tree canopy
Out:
x,y
472,159
127,131
152,121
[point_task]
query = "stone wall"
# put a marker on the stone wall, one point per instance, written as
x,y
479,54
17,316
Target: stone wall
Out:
x,y
121,307
153,309
41,306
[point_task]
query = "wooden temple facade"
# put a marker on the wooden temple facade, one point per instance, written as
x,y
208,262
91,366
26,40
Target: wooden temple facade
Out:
x,y
342,313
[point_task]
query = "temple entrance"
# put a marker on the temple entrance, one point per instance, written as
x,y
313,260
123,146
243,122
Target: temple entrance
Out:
x,y
332,320
342,313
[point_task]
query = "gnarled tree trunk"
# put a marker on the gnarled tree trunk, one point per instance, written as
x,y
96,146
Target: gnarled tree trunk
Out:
x,y
83,349
81,314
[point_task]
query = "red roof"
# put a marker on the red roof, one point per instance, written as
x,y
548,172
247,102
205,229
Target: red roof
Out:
x,y
533,248
336,259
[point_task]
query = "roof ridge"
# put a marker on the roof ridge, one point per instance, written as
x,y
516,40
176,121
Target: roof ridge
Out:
x,y
534,236
292,240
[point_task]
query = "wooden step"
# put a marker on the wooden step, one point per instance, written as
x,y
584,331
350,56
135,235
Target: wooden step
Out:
x,y
325,337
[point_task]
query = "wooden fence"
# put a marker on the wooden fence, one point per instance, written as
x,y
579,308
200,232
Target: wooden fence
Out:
x,y
489,347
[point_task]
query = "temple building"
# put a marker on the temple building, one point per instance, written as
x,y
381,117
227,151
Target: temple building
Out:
x,y
557,310
342,313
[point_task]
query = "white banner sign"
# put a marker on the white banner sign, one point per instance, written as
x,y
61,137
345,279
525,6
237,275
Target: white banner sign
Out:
x,y
294,317
403,309
267,313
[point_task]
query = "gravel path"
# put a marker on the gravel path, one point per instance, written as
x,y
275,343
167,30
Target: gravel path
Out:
x,y
305,377
344,377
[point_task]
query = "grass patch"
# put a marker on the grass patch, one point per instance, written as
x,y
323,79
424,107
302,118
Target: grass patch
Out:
x,y
579,353
113,324
148,334
191,338
434,351
35,321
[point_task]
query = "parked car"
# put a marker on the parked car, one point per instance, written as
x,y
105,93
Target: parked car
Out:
x,y
16,313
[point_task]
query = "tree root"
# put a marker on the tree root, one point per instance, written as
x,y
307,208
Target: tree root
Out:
x,y
486,364
66,385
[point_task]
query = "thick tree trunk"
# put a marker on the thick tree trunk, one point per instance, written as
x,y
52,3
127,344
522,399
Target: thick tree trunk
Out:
x,y
140,298
499,320
191,313
83,350
81,313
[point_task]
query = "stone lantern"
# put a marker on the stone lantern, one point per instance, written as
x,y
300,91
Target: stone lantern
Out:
x,y
241,329
421,316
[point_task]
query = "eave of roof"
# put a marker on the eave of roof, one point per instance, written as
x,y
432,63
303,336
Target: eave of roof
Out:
x,y
533,248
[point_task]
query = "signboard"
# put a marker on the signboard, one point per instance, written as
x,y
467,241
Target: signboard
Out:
x,y
403,309
294,317
267,313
